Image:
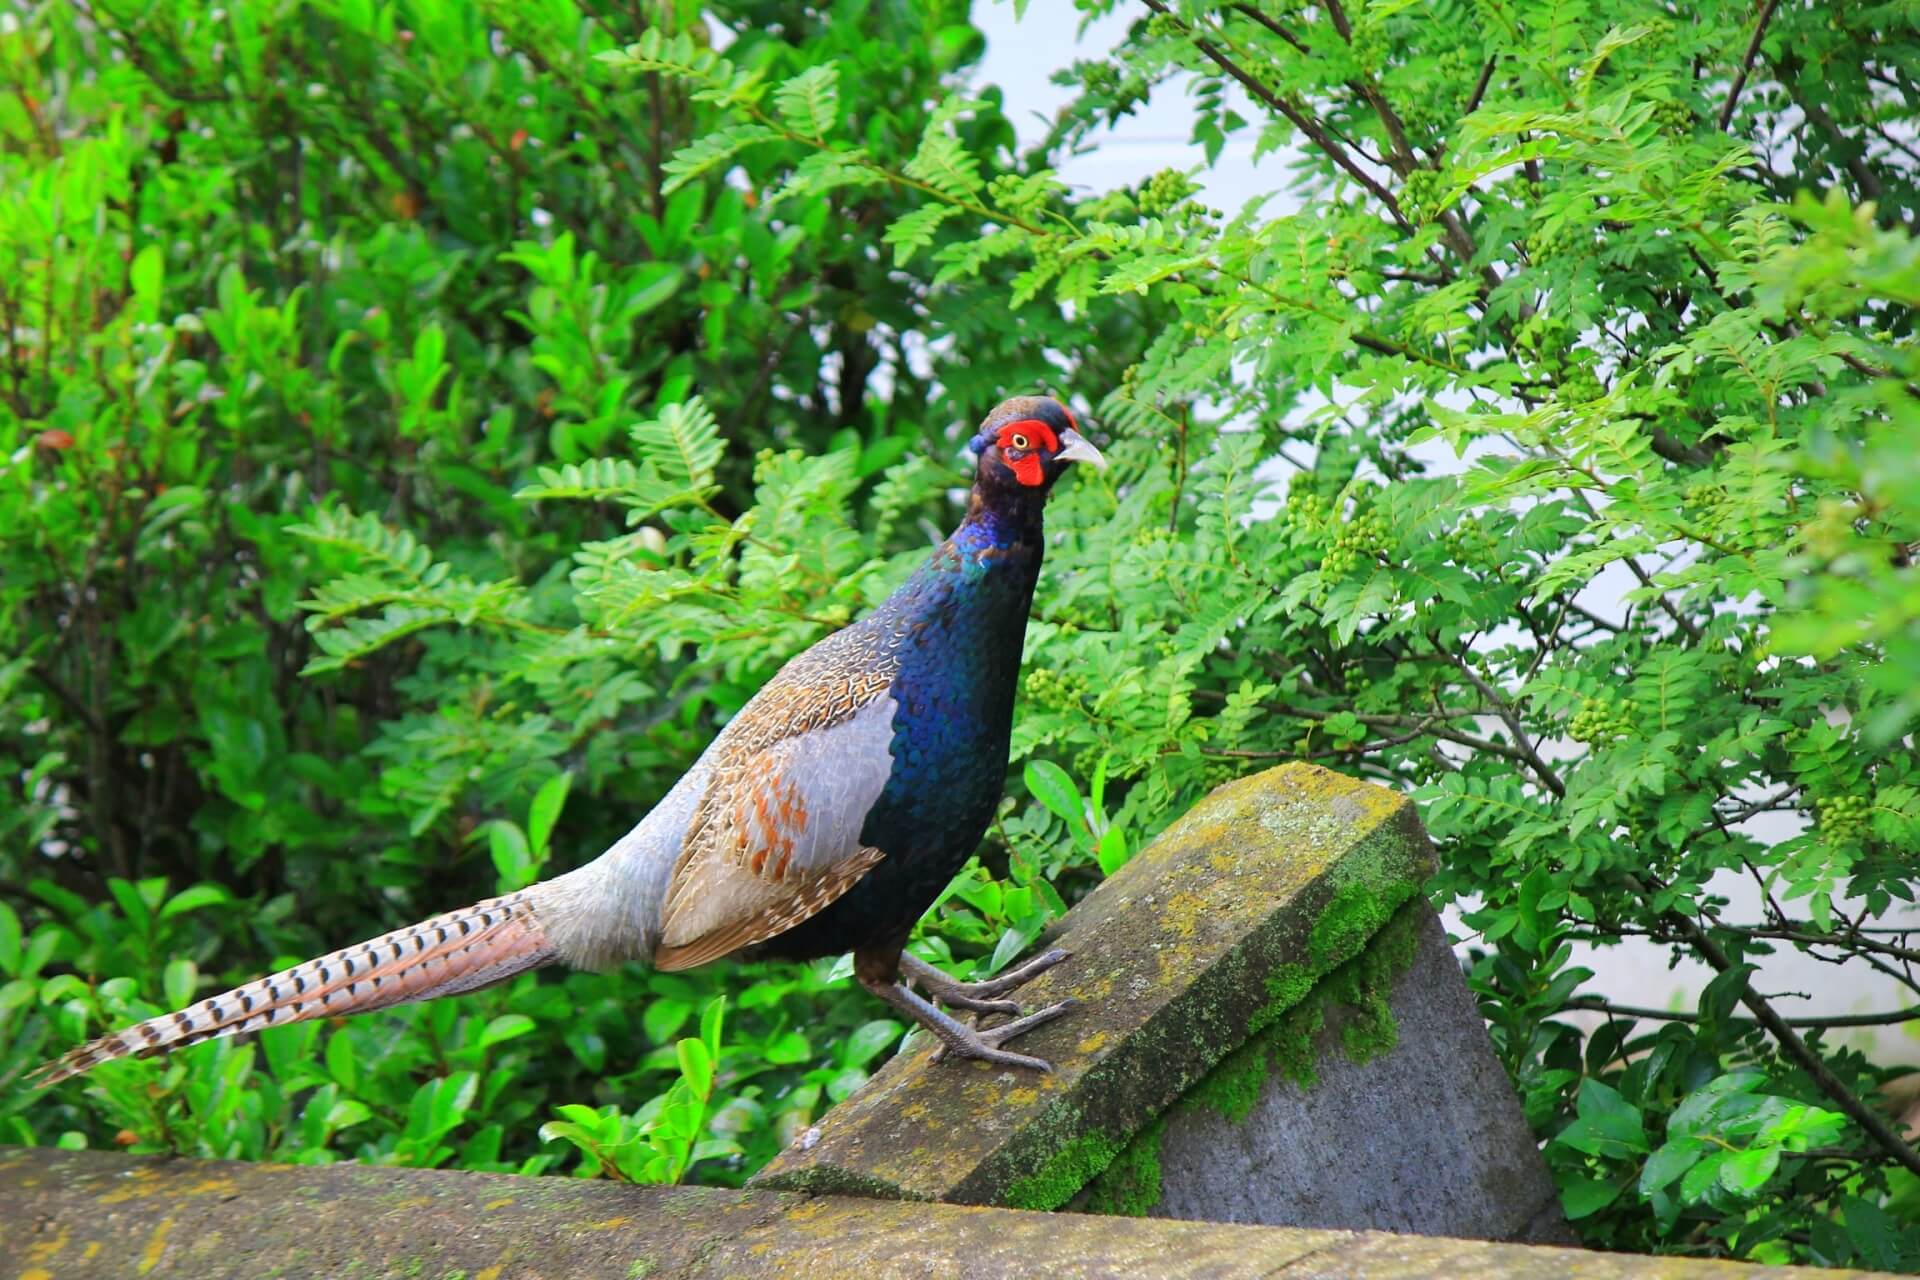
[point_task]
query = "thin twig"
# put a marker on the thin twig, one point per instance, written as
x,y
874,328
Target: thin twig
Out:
x,y
1541,769
1300,119
1876,1125
1746,63
1598,1005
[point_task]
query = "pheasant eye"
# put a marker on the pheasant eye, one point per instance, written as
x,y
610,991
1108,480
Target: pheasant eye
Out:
x,y
1019,442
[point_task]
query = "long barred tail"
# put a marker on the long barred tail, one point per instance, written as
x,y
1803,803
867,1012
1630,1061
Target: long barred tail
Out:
x,y
459,951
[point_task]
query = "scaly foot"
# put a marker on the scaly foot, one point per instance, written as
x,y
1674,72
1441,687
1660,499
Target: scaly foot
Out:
x,y
977,997
985,1045
885,975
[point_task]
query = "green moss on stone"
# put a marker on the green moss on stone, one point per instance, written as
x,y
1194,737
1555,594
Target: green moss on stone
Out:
x,y
1291,1044
1069,1169
1287,986
1285,1045
1233,1087
1130,1184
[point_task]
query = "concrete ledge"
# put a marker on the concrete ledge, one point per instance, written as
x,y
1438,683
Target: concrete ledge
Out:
x,y
77,1215
1375,1104
1211,933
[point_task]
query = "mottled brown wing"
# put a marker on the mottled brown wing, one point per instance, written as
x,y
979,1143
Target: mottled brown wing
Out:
x,y
776,837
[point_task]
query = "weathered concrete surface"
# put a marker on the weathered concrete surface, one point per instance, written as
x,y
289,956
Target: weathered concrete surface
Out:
x,y
1208,935
1396,1123
85,1215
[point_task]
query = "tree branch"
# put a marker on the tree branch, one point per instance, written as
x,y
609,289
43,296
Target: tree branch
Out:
x,y
1480,88
1790,1043
1299,119
1599,1005
1746,63
1504,709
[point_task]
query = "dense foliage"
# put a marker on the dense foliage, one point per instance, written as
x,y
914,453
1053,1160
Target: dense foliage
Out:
x,y
536,382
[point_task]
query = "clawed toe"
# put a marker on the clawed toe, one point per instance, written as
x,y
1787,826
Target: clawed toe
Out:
x,y
984,1045
966,1039
979,997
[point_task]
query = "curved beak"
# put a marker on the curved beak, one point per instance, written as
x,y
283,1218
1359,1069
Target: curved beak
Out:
x,y
1076,448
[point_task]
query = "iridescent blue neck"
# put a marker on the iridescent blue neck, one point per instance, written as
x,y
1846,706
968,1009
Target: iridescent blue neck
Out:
x,y
1002,521
992,559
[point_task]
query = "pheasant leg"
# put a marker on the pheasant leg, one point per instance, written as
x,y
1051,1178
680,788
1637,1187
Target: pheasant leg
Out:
x,y
882,969
977,997
964,1041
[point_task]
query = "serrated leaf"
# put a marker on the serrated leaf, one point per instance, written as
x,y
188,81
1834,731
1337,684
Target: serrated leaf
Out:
x,y
915,230
809,103
710,151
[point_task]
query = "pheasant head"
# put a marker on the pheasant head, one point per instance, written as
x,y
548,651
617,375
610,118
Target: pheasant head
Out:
x,y
1025,444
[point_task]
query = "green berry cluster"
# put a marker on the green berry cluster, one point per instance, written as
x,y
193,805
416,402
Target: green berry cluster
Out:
x,y
1702,495
1058,690
1580,384
1420,194
1164,26
1086,761
1598,721
1305,512
1370,46
1456,66
1673,116
1165,190
1471,544
1554,239
1845,817
1017,194
1364,538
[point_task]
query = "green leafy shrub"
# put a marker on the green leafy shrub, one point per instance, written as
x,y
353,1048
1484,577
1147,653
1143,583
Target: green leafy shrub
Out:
x,y
1640,277
1665,346
364,548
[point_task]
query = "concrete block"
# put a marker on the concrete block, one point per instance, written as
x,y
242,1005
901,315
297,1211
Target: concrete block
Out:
x,y
1376,1103
95,1215
1213,931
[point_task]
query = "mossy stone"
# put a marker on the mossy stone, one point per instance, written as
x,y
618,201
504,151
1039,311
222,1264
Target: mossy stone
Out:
x,y
1204,939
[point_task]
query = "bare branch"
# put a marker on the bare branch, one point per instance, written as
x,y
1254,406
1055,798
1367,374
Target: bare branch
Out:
x,y
1746,63
1599,1005
1299,119
1480,88
1877,1126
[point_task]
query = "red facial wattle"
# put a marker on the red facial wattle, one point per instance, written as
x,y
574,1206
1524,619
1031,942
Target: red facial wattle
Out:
x,y
1021,444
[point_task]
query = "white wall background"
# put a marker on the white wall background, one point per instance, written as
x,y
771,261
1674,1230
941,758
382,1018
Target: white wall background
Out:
x,y
1021,56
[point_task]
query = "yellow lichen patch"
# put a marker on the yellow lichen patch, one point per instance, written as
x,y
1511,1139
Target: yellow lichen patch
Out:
x,y
36,1273
807,1212
1183,912
501,1203
1023,1097
156,1247
1092,1044
214,1186
606,1224
48,1250
93,1247
488,1273
1094,989
139,1184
